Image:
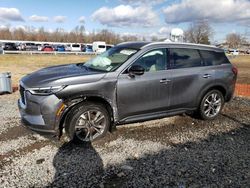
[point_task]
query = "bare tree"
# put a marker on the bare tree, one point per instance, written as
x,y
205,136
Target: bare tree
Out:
x,y
77,35
5,34
154,38
199,32
234,40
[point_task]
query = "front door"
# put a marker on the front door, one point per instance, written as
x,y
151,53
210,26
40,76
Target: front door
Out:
x,y
147,93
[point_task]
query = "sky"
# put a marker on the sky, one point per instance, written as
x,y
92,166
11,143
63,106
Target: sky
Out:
x,y
137,17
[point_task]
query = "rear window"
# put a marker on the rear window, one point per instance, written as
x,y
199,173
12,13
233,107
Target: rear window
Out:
x,y
214,58
101,46
184,58
75,45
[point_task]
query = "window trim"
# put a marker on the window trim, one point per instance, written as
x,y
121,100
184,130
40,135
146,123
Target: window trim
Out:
x,y
160,48
204,61
171,59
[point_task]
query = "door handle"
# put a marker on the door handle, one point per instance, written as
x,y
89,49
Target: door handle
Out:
x,y
206,75
164,81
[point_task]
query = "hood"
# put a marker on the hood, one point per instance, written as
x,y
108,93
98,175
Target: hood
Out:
x,y
62,75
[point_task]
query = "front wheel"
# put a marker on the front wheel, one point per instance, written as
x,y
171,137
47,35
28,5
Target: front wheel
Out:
x,y
87,122
211,105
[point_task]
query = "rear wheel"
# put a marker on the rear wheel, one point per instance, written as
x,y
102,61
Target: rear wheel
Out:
x,y
87,122
211,105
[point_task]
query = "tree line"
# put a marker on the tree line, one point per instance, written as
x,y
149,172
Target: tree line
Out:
x,y
77,35
200,32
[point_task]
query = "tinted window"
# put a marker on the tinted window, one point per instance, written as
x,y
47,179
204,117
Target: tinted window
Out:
x,y
213,58
185,58
154,60
101,46
75,45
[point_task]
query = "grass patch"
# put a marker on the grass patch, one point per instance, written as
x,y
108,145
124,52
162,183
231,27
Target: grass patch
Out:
x,y
242,62
20,65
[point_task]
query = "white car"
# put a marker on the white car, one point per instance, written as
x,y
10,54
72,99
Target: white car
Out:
x,y
235,52
99,47
75,47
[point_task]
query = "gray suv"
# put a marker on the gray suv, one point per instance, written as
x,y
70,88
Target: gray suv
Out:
x,y
131,82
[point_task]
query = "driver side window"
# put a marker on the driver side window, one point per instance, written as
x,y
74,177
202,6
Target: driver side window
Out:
x,y
152,61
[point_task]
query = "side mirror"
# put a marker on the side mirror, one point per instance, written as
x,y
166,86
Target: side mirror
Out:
x,y
136,70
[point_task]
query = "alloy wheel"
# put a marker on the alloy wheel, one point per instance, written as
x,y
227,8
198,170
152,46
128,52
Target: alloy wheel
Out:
x,y
90,125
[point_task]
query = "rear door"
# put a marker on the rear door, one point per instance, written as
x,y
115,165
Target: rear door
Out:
x,y
189,76
147,93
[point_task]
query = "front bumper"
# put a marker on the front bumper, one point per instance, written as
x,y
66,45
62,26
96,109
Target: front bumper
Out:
x,y
39,113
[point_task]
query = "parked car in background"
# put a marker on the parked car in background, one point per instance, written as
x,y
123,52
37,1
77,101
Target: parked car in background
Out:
x,y
87,48
1,49
68,47
99,47
31,47
234,52
75,47
39,47
60,48
48,48
131,82
10,46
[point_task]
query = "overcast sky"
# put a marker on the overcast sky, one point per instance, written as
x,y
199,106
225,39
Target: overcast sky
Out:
x,y
141,17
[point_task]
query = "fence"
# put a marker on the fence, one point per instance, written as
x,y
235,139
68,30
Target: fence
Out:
x,y
48,52
242,90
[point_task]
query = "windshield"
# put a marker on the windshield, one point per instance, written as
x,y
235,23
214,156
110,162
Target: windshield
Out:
x,y
111,59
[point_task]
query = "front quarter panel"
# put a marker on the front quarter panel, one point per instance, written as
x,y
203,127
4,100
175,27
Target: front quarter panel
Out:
x,y
104,88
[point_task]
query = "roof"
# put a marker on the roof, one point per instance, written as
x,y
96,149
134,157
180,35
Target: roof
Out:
x,y
134,45
141,45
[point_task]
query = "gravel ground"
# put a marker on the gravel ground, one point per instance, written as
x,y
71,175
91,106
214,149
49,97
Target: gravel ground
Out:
x,y
171,152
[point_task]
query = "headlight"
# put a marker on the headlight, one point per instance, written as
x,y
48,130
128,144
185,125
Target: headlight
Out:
x,y
46,90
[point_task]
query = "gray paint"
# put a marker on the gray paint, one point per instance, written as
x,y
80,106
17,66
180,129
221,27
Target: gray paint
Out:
x,y
131,99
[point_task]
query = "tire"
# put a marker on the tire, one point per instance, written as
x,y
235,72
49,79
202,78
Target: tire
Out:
x,y
87,122
211,105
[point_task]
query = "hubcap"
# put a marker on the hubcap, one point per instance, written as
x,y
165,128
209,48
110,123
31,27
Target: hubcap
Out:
x,y
212,105
90,125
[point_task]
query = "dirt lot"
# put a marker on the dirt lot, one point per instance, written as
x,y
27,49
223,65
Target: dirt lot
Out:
x,y
171,152
21,65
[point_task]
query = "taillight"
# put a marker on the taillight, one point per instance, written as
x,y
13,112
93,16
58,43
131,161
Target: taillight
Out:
x,y
235,70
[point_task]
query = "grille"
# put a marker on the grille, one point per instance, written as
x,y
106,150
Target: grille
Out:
x,y
22,90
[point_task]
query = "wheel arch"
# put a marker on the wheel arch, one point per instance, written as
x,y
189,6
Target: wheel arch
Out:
x,y
220,88
71,103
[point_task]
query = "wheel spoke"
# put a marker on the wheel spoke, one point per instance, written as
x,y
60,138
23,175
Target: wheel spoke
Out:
x,y
99,119
90,125
98,126
97,130
80,126
97,115
207,101
88,113
207,112
83,117
218,101
88,134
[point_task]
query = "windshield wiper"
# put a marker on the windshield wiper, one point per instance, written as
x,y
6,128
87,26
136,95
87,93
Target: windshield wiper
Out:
x,y
82,66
